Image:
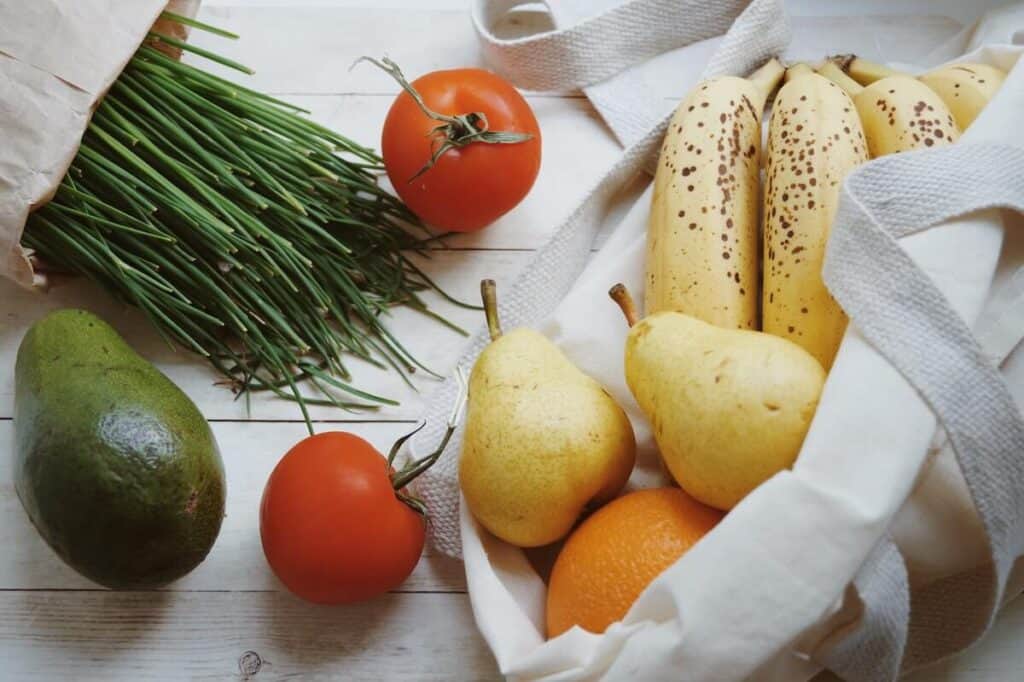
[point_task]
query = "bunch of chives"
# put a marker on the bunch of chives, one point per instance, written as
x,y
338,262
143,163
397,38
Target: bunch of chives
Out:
x,y
243,230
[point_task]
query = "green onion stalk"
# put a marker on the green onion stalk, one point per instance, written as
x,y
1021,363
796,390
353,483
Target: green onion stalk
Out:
x,y
242,229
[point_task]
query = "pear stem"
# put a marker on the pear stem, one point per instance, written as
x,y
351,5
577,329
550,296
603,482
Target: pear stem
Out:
x,y
489,294
620,294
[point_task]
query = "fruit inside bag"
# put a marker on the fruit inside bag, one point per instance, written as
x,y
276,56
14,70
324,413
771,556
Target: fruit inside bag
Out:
x,y
683,616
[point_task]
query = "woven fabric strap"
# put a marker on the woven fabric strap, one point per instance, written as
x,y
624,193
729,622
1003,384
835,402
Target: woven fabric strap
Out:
x,y
899,310
594,54
890,300
603,45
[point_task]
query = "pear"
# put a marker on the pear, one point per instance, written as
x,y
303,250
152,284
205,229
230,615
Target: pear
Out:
x,y
542,441
729,408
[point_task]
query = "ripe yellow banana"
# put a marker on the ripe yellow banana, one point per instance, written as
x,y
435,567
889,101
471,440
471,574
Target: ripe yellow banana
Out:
x,y
898,113
965,88
702,236
814,139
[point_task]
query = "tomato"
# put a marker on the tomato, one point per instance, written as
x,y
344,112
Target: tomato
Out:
x,y
333,527
472,185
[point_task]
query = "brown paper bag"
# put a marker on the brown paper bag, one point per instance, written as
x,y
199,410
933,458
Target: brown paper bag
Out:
x,y
57,59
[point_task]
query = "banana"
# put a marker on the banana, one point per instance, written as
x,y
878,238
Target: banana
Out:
x,y
702,235
814,139
898,113
965,88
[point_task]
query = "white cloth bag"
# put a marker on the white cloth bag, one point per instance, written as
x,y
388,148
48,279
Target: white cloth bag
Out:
x,y
835,563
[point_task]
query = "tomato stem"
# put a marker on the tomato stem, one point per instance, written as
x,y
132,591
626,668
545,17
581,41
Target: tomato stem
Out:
x,y
455,131
408,473
401,441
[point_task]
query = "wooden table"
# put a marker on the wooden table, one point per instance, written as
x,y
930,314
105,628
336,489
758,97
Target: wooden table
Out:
x,y
230,618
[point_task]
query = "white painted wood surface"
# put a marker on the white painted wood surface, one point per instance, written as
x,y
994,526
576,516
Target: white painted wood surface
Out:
x,y
230,618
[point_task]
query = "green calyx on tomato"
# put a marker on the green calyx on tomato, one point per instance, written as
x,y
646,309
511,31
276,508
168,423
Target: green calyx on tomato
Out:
x,y
458,171
407,474
456,130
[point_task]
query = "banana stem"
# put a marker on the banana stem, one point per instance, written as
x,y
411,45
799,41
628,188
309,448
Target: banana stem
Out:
x,y
620,294
766,79
797,70
835,74
489,294
863,71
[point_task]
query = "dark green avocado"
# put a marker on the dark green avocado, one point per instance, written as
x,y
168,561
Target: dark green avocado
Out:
x,y
115,466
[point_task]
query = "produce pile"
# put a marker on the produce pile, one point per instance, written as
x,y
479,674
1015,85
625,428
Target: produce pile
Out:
x,y
729,363
262,240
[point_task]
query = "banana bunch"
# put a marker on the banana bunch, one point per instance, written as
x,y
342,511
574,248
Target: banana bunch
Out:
x,y
704,247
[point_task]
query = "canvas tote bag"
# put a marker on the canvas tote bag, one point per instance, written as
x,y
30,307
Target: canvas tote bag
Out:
x,y
919,427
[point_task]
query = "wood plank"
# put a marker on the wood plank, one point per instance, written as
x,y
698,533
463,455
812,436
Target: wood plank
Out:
x,y
457,272
309,49
250,452
113,636
220,636
305,50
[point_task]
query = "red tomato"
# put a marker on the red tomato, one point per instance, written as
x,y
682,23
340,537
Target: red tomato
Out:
x,y
471,186
332,528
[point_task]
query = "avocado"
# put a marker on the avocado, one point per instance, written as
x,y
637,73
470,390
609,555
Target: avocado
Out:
x,y
114,464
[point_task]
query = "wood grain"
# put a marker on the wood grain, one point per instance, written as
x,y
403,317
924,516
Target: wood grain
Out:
x,y
424,37
234,635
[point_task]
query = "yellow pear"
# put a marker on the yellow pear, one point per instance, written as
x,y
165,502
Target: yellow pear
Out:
x,y
729,407
542,441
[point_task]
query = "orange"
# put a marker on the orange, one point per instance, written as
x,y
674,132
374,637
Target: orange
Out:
x,y
613,555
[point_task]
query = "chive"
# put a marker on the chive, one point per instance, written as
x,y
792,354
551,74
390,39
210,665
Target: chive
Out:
x,y
243,231
188,21
187,47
